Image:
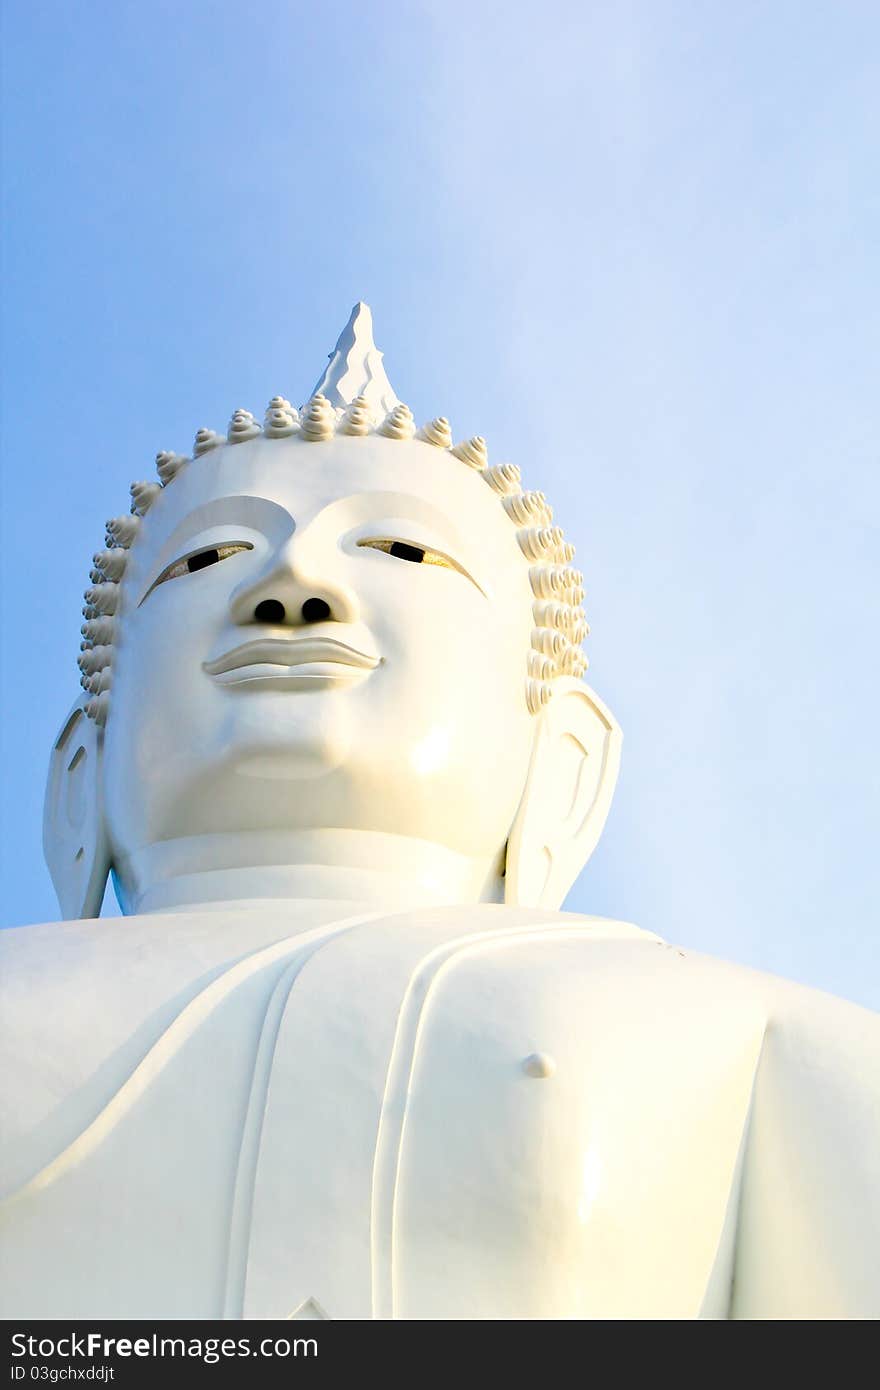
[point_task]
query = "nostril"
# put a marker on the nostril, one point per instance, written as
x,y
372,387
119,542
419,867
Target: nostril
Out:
x,y
269,611
315,610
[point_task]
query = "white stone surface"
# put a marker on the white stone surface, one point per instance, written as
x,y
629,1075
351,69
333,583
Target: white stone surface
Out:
x,y
233,1112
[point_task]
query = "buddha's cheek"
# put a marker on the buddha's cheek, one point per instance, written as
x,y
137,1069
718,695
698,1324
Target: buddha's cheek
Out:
x,y
228,760
440,749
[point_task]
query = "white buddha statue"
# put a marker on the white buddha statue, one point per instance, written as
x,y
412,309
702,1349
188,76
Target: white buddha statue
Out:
x,y
343,1057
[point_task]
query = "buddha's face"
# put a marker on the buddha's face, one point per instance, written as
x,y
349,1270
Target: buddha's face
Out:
x,y
321,636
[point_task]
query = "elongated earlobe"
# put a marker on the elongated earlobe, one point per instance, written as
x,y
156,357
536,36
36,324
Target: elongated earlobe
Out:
x,y
75,840
567,797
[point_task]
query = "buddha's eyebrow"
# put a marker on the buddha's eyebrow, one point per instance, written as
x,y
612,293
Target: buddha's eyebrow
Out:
x,y
407,506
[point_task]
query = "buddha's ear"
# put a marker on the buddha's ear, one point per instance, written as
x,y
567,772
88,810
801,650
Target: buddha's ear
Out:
x,y
75,840
571,780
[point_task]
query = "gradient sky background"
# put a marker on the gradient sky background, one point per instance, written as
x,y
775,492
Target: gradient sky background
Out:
x,y
635,245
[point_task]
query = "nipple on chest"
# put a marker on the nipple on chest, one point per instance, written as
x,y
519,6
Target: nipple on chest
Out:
x,y
539,1065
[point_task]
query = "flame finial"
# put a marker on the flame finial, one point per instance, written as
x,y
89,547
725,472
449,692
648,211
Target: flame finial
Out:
x,y
355,367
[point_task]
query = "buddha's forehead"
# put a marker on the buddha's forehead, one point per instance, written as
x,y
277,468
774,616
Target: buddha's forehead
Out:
x,y
288,484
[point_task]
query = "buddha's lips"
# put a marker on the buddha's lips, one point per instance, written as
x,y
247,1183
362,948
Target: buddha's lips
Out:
x,y
291,652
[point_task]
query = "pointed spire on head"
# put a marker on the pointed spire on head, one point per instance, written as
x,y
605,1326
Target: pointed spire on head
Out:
x,y
355,367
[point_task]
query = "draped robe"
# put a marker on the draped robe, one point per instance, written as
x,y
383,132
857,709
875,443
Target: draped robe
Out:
x,y
302,1109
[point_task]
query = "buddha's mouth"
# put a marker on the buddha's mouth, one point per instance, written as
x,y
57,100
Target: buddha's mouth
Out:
x,y
295,663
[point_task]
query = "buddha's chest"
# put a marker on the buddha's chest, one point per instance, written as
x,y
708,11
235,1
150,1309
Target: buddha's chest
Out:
x,y
514,1127
365,1132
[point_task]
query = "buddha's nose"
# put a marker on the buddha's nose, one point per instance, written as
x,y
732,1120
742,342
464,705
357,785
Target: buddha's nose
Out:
x,y
292,592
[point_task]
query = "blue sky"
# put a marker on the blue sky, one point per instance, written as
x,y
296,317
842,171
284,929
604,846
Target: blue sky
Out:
x,y
635,245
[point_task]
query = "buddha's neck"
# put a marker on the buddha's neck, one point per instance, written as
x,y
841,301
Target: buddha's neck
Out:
x,y
356,866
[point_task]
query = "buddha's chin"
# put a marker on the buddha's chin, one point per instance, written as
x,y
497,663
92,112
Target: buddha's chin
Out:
x,y
290,763
284,739
298,753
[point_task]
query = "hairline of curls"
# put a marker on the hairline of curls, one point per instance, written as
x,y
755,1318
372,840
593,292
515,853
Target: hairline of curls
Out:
x,y
560,624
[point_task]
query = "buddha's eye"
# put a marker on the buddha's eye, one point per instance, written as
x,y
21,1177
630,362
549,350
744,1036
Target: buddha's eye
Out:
x,y
199,560
416,554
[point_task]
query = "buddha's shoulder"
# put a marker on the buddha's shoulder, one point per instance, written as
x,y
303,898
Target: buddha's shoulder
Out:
x,y
555,950
599,973
532,963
